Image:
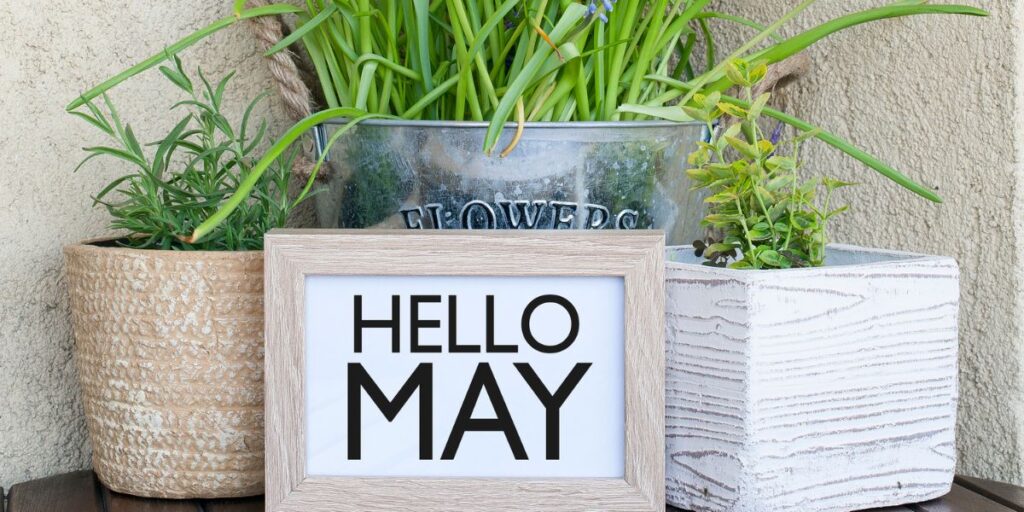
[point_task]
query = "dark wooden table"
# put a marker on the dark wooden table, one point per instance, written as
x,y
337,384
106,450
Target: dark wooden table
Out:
x,y
82,492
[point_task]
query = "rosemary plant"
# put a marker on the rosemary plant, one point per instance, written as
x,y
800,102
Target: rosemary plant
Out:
x,y
528,60
193,169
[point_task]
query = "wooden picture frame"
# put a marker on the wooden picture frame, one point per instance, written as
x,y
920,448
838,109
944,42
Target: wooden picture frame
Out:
x,y
636,256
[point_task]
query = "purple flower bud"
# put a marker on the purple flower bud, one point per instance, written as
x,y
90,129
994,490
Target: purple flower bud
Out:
x,y
607,5
777,133
602,17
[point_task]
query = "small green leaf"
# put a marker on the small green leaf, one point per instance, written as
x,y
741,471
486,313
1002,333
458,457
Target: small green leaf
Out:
x,y
101,125
721,197
719,170
721,219
711,101
758,73
732,110
674,114
733,130
735,71
837,211
780,182
177,78
784,163
756,234
698,174
758,106
770,257
747,150
696,113
717,249
698,158
833,184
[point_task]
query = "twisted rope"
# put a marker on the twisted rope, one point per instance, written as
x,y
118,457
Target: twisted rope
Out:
x,y
298,99
269,30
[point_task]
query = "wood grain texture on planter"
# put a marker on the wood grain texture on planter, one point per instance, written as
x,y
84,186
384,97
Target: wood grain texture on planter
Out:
x,y
828,389
169,350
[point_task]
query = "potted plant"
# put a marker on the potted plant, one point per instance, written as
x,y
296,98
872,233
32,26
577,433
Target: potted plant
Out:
x,y
801,375
586,93
169,333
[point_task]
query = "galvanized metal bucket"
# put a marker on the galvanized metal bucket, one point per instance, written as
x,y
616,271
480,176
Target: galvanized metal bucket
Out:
x,y
582,175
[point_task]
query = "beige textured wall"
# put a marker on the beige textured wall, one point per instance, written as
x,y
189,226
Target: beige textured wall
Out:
x,y
49,53
935,97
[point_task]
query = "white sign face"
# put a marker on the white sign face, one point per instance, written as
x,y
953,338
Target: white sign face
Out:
x,y
431,376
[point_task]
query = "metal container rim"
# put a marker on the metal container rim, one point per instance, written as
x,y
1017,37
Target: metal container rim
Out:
x,y
574,125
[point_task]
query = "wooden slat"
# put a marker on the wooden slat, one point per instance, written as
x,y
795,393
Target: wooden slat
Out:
x,y
254,504
77,491
123,503
81,492
961,500
1005,494
886,509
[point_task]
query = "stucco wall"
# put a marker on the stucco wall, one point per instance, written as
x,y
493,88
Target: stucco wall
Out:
x,y
935,96
51,52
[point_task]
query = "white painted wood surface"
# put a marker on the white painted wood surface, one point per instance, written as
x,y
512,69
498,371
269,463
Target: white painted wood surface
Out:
x,y
636,256
829,389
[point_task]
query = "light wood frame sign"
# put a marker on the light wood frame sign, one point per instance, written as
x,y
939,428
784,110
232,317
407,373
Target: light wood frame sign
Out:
x,y
634,256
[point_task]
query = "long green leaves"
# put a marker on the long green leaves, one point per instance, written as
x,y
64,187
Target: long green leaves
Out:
x,y
677,114
561,60
717,81
173,49
700,81
844,146
796,44
533,66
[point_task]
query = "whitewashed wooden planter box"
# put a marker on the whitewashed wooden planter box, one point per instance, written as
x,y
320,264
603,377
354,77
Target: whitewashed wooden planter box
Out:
x,y
828,389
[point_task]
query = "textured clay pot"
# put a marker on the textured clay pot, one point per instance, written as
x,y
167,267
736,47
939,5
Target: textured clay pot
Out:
x,y
169,350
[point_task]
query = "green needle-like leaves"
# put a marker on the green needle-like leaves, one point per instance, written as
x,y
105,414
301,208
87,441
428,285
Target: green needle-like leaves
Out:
x,y
279,148
195,167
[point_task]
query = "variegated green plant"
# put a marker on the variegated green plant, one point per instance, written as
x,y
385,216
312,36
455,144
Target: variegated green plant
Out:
x,y
762,214
527,60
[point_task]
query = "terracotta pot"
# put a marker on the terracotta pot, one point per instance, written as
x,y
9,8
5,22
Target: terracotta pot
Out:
x,y
169,350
